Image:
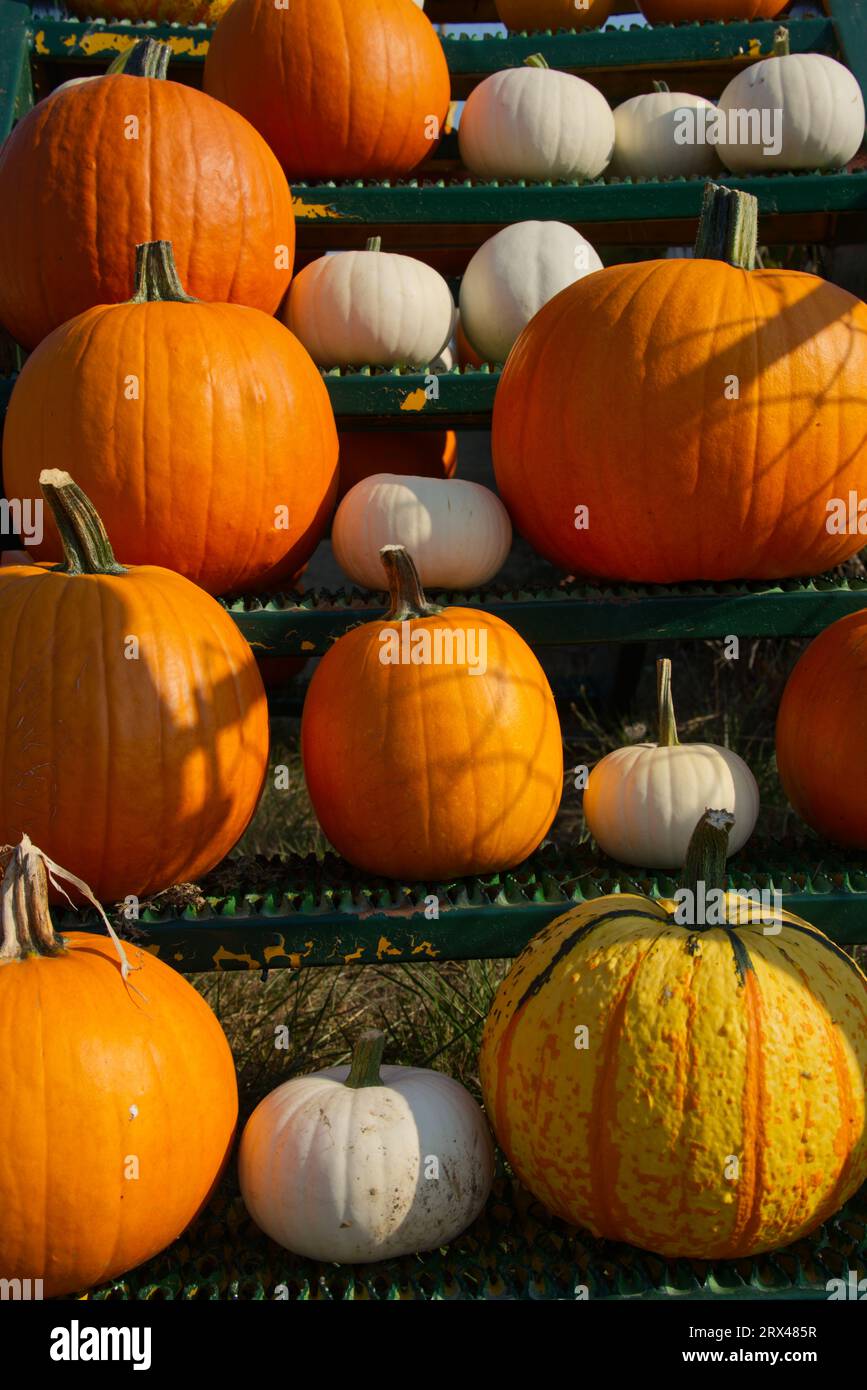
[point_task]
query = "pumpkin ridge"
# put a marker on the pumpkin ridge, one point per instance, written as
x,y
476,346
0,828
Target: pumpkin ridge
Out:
x,y
572,940
604,1156
751,1184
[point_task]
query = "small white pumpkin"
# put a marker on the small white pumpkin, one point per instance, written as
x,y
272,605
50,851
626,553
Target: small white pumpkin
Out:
x,y
642,803
458,533
354,1164
533,122
822,121
646,136
370,308
513,274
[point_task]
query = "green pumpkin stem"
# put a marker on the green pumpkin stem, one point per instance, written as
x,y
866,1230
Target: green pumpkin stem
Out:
x,y
661,87
728,228
706,854
144,58
156,275
366,1060
26,928
536,60
374,243
782,45
404,586
86,547
665,706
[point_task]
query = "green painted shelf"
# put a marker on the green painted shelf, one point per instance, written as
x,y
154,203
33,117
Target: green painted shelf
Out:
x,y
289,625
304,912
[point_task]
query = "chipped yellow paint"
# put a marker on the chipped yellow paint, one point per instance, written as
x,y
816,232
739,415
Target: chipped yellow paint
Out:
x,y
312,212
352,956
223,955
308,646
179,955
70,41
755,48
426,948
152,950
93,44
414,400
385,948
39,43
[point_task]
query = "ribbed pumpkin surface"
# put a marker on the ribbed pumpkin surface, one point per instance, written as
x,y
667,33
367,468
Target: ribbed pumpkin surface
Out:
x,y
78,195
688,11
117,1112
338,89
703,1047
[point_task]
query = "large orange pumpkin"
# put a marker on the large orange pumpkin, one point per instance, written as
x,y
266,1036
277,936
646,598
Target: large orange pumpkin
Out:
x,y
102,165
118,1098
688,11
202,433
136,726
822,733
338,89
553,14
687,419
410,453
446,763
692,1088
160,11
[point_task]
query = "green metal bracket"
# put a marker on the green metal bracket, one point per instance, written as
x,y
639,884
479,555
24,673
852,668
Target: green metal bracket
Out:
x,y
286,625
850,22
16,86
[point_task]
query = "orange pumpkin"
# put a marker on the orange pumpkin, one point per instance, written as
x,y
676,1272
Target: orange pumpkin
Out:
x,y
137,729
338,89
102,165
202,433
159,11
822,733
409,453
430,740
118,1099
689,11
527,15
703,413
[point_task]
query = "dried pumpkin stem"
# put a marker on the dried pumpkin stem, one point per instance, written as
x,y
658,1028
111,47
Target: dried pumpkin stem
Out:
x,y
26,928
366,1060
706,855
665,705
536,60
661,87
156,275
374,243
404,586
782,44
728,229
86,547
144,58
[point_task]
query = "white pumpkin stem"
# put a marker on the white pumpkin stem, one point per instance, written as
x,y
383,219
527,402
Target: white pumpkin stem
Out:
x,y
408,598
374,243
661,87
728,228
665,705
366,1060
782,43
707,852
536,60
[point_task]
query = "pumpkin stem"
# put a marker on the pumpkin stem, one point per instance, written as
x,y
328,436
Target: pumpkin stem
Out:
x,y
86,547
404,586
661,87
366,1060
374,243
156,275
26,928
728,228
536,60
144,58
665,706
706,854
782,45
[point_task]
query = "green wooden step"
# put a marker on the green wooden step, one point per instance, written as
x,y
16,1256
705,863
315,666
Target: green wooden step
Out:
x,y
303,912
307,625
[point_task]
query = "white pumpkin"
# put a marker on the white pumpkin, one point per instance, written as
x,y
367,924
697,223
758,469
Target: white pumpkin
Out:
x,y
533,122
643,802
513,274
355,1165
370,308
646,136
822,120
458,533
